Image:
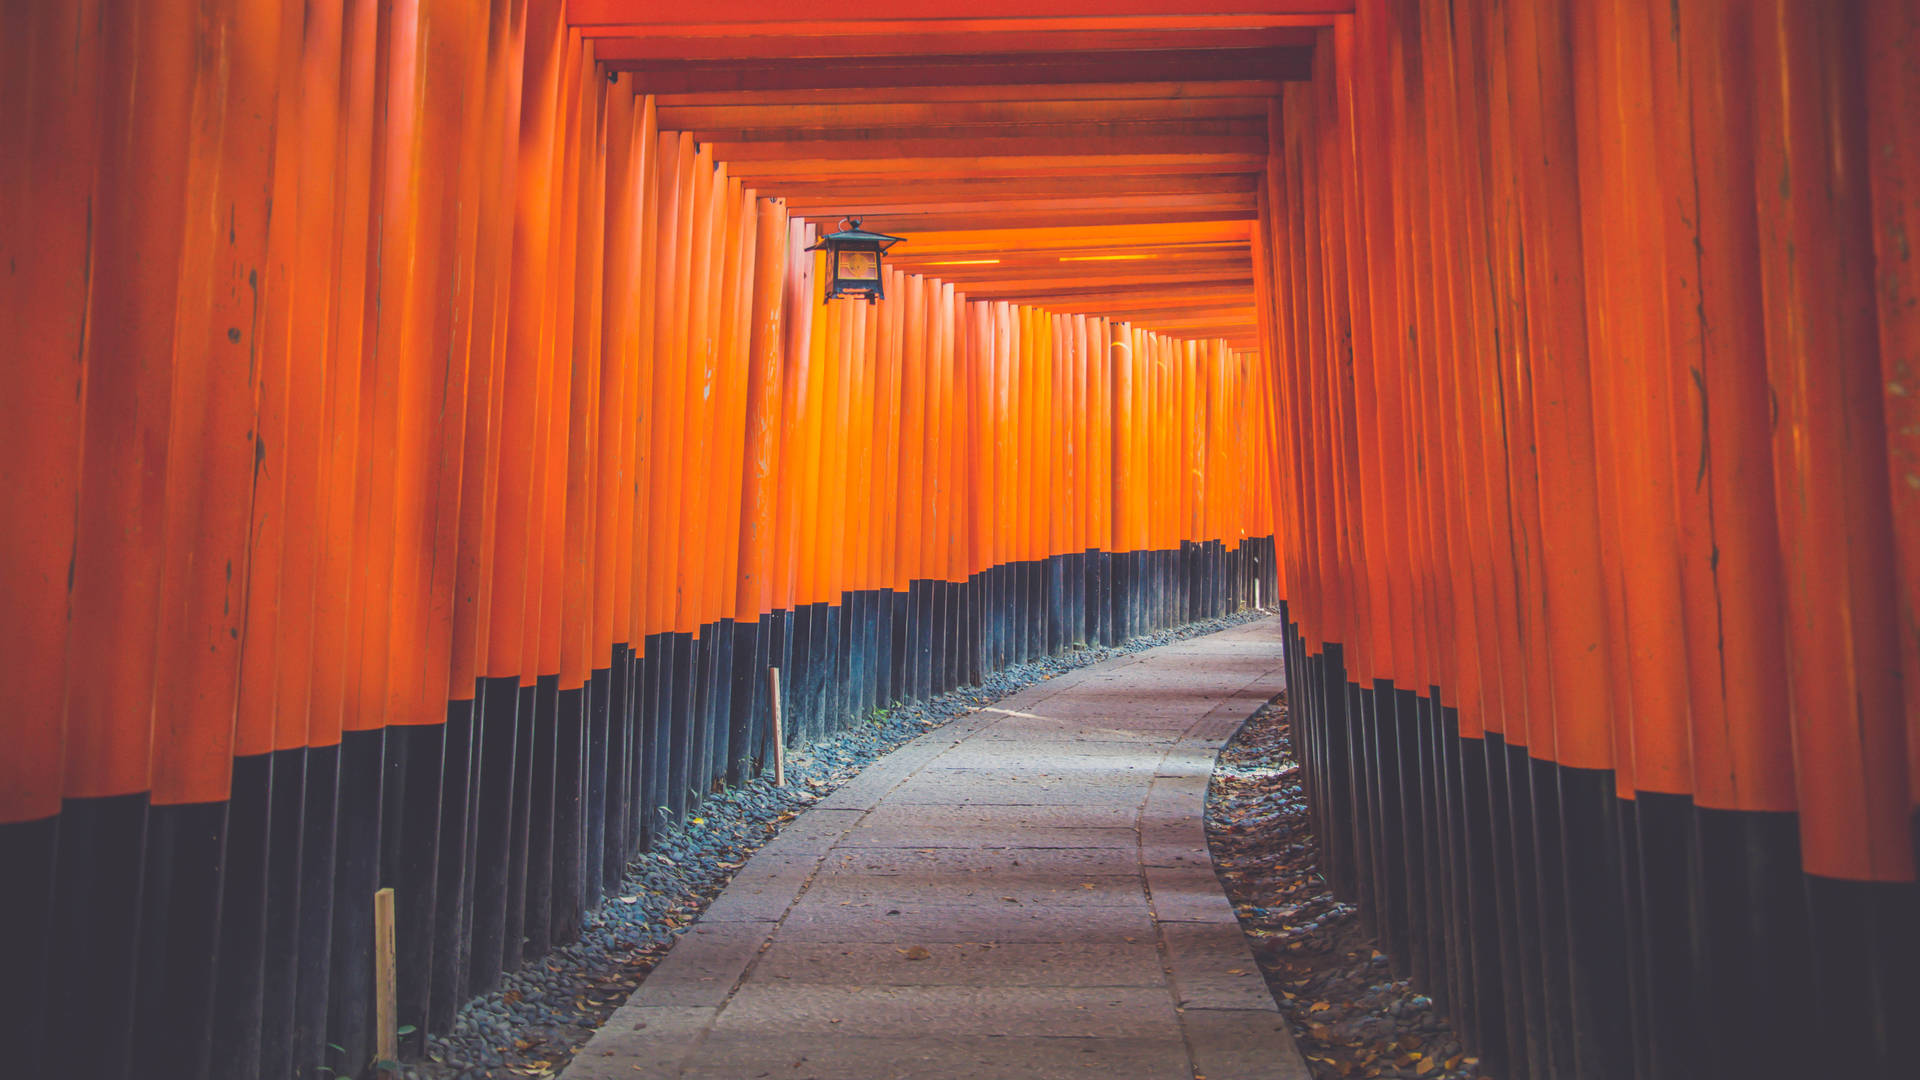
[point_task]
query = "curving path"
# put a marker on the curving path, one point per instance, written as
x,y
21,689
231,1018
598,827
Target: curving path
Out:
x,y
1023,893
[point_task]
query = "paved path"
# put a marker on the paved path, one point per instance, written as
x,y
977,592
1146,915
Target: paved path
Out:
x,y
1023,893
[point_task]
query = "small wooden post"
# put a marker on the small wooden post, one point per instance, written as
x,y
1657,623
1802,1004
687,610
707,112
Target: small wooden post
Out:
x,y
779,733
384,1002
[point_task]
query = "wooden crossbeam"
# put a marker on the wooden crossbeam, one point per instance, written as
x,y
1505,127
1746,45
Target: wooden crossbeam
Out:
x,y
739,122
852,16
1041,287
864,138
1046,165
743,48
1198,65
1015,92
1065,239
1014,143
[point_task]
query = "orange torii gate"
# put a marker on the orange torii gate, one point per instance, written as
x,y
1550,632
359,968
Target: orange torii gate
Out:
x,y
428,431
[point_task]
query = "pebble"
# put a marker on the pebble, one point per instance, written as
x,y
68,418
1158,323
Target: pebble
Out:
x,y
541,1015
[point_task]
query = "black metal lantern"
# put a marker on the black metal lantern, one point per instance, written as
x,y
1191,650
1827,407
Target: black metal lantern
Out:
x,y
853,261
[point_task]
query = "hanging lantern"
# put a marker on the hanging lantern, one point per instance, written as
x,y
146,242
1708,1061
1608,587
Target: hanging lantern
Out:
x,y
853,261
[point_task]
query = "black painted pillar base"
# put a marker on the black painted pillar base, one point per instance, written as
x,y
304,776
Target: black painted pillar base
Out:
x,y
568,850
240,971
498,868
28,851
355,879
182,931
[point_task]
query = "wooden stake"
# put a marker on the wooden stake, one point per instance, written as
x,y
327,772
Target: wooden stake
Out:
x,y
388,1033
779,735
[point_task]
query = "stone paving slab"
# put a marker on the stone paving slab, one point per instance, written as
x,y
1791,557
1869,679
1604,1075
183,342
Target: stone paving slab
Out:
x,y
978,964
1067,760
1088,815
1017,885
707,962
980,786
1021,895
1250,1045
763,890
1074,864
763,1009
837,1057
929,924
1188,894
1008,835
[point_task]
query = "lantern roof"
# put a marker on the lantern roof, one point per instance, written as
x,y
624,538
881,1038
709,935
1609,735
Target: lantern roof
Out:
x,y
853,233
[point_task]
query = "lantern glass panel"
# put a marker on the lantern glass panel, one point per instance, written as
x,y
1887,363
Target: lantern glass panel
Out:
x,y
859,265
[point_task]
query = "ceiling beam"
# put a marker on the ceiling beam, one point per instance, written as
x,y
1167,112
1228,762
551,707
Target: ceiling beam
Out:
x,y
1161,297
975,187
657,46
853,16
1067,239
1249,130
1016,144
896,224
709,121
1012,254
1196,65
1024,92
1050,287
1040,165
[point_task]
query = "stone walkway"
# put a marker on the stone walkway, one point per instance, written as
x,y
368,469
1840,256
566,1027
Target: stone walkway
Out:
x,y
1023,893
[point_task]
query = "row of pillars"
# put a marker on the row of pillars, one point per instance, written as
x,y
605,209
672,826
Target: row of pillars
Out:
x,y
1601,523
418,460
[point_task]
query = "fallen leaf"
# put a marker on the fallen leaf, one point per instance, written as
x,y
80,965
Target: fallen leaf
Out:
x,y
917,952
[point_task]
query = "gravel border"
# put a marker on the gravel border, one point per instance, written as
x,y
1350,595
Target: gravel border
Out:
x,y
545,1012
1351,1016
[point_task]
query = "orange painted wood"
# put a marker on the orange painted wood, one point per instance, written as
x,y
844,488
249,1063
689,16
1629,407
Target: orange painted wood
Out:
x,y
670,376
239,107
513,569
879,73
136,232
1890,35
1830,462
691,553
656,13
1378,484
812,579
807,117
50,142
578,653
645,374
1563,414
619,357
653,44
1003,92
761,471
800,312
336,648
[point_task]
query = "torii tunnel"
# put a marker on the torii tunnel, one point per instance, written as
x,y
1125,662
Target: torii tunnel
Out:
x,y
424,430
